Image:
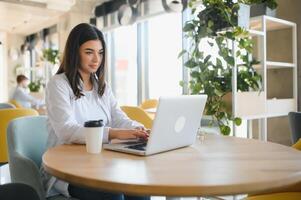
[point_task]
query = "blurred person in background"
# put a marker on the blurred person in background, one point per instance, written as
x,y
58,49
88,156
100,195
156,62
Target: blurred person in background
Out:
x,y
21,94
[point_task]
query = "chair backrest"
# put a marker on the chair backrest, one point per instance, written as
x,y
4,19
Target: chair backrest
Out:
x,y
6,115
149,103
15,103
27,138
6,105
16,191
139,115
294,119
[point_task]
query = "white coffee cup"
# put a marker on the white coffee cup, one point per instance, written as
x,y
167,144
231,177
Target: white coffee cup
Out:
x,y
94,135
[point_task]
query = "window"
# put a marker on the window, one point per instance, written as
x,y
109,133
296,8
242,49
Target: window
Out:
x,y
53,43
26,61
2,72
165,43
125,59
159,71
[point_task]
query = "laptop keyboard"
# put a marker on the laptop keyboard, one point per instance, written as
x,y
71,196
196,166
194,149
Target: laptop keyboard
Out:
x,y
132,142
139,147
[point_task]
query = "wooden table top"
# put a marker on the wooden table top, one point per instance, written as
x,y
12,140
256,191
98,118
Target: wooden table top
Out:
x,y
218,165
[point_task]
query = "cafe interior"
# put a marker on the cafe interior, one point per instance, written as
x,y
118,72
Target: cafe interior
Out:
x,y
241,55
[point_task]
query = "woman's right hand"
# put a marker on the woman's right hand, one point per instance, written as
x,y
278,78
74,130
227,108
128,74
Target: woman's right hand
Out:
x,y
125,134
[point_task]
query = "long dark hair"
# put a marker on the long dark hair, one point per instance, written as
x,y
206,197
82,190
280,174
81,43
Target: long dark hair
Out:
x,y
71,60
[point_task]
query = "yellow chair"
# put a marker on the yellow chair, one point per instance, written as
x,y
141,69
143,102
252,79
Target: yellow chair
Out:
x,y
277,196
139,115
297,145
16,103
6,115
149,103
281,195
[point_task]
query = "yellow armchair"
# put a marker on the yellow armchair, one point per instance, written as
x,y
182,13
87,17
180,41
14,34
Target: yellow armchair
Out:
x,y
149,103
277,196
16,103
6,115
139,115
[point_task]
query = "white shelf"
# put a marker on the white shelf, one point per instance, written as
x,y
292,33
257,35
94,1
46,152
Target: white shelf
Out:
x,y
280,107
272,23
255,105
256,32
274,108
275,65
279,22
252,117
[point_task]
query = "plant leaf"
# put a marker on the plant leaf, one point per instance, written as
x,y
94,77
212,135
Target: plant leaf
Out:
x,y
182,53
188,27
225,130
237,121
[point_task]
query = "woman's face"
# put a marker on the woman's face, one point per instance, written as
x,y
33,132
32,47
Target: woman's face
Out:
x,y
91,55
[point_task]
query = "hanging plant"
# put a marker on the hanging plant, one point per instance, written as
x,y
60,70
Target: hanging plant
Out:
x,y
272,4
216,26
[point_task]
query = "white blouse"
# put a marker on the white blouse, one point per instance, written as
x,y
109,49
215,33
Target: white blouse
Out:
x,y
66,116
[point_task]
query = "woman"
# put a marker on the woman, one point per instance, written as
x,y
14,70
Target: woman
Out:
x,y
78,93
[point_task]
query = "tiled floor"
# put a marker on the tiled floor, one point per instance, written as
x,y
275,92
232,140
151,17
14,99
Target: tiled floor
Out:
x,y
5,178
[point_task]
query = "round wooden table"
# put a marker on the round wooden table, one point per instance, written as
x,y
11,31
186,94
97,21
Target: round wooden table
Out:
x,y
216,166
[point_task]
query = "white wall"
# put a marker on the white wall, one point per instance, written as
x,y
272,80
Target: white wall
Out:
x,y
14,43
3,68
80,13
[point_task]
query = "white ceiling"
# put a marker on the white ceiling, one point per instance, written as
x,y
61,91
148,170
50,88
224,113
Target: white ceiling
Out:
x,y
29,16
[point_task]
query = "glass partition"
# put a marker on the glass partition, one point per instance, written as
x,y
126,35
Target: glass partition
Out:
x,y
125,64
165,43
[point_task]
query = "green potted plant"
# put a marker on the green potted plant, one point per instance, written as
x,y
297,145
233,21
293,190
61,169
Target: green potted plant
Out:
x,y
223,14
35,86
262,7
51,55
211,74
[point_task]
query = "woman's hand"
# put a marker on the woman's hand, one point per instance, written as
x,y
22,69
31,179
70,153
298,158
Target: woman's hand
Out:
x,y
125,134
144,129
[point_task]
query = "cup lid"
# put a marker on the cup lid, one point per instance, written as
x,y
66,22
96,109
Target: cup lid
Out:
x,y
94,123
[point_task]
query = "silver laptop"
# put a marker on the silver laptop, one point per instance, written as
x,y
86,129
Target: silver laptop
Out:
x,y
175,125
